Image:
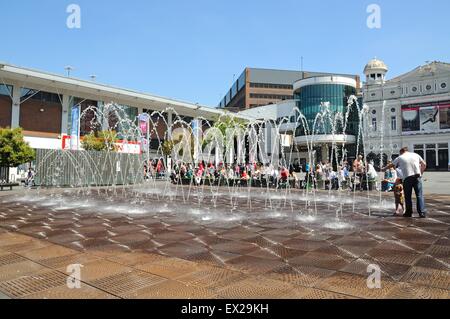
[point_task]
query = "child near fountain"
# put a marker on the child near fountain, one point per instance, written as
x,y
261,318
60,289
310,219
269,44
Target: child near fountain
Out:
x,y
399,195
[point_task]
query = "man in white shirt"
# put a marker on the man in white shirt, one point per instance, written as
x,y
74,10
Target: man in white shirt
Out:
x,y
412,167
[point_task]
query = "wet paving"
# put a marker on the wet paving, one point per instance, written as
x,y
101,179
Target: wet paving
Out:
x,y
182,242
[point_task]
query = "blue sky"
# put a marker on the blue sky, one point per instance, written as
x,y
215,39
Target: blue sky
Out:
x,y
190,50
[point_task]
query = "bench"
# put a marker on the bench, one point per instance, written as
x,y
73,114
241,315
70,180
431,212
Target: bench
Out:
x,y
10,185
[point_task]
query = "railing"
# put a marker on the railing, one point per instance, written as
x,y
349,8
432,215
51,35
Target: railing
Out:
x,y
66,168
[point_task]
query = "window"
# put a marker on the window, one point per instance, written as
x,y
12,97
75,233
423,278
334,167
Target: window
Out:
x,y
272,86
414,89
393,110
271,96
374,124
241,81
393,123
36,95
428,87
443,85
374,112
6,90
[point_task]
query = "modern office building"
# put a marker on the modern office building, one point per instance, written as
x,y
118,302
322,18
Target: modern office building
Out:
x,y
410,110
40,103
258,87
324,101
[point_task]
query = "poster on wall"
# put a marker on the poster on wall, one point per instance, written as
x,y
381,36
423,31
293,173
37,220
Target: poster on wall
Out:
x,y
144,126
444,116
75,128
411,119
429,121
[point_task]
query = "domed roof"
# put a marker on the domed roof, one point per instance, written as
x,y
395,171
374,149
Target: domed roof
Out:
x,y
375,64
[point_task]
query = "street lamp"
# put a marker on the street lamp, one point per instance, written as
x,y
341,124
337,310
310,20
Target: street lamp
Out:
x,y
68,69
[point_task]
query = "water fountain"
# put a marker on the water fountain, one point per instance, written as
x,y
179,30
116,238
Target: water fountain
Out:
x,y
114,183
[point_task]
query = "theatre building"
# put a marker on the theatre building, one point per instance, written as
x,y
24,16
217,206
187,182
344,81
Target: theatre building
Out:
x,y
410,110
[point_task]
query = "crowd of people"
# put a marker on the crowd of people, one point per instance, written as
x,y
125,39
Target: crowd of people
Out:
x,y
240,172
323,176
400,176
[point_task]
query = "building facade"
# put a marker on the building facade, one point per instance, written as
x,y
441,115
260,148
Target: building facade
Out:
x,y
40,103
312,126
331,116
411,110
259,87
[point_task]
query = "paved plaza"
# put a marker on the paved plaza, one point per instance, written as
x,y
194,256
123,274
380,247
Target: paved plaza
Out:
x,y
138,244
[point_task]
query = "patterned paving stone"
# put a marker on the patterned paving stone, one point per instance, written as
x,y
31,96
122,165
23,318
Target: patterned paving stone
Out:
x,y
48,252
312,293
326,261
254,265
410,291
428,277
28,285
63,292
98,269
354,285
169,268
265,253
18,269
255,288
125,284
171,290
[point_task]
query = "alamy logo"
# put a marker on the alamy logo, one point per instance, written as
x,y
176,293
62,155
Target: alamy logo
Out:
x,y
374,279
74,18
74,280
374,18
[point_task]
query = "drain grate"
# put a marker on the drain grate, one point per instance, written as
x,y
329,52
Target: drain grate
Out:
x,y
428,277
430,262
410,291
211,278
396,257
312,293
171,290
204,258
254,265
354,285
28,285
169,268
126,283
64,261
439,251
10,259
255,288
326,261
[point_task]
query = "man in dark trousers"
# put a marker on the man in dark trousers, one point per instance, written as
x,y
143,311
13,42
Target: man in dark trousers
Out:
x,y
412,166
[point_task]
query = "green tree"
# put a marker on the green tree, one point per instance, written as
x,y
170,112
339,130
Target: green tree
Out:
x,y
225,122
100,141
229,121
167,147
14,151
